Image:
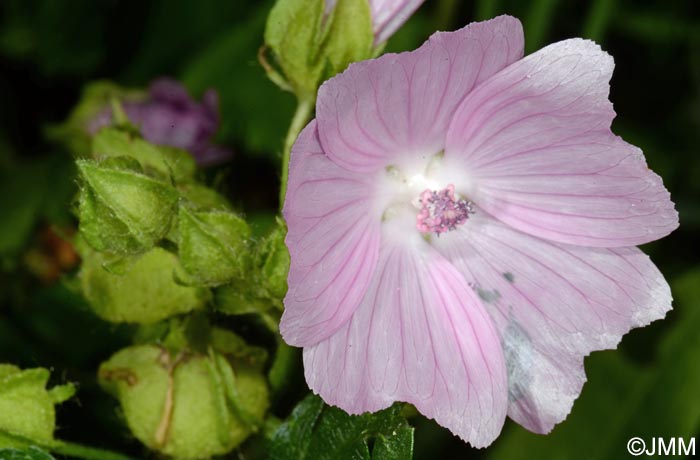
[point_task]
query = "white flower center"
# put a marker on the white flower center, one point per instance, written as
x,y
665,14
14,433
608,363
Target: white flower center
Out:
x,y
423,190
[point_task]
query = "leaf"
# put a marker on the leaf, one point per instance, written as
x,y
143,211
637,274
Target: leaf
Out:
x,y
27,407
176,30
61,39
291,440
30,191
318,432
397,445
254,112
622,400
30,453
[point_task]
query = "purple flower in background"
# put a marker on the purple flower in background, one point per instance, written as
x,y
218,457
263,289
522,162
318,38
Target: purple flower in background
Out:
x,y
387,15
462,224
169,116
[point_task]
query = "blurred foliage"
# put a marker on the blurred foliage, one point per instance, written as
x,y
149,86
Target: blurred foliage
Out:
x,y
50,50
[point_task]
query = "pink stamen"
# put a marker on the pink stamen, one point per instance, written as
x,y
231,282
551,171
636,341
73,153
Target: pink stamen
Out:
x,y
442,211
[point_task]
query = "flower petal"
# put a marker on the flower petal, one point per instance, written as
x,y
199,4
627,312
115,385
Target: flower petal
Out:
x,y
535,141
553,304
401,104
333,242
389,15
421,336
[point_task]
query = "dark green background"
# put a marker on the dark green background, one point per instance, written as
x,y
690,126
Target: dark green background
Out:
x,y
49,49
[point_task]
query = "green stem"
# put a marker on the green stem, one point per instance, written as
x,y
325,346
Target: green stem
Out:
x,y
79,451
67,448
305,107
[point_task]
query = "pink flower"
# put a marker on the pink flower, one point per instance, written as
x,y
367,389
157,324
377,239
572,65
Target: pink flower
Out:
x,y
462,225
387,15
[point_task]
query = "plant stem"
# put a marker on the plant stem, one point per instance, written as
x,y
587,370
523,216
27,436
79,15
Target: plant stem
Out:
x,y
69,449
79,451
305,107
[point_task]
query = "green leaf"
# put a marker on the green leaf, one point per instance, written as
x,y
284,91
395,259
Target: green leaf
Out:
x,y
396,446
30,453
21,192
30,192
122,209
622,400
213,246
228,64
318,432
60,39
27,407
291,440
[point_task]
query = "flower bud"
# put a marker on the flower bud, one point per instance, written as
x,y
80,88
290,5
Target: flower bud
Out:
x,y
387,15
203,198
266,283
121,208
309,47
142,290
27,408
212,245
188,405
155,160
312,40
166,115
274,257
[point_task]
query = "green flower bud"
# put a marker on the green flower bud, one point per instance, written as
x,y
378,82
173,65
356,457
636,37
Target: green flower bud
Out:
x,y
122,209
184,404
155,160
212,245
266,283
310,45
27,408
203,198
142,290
274,257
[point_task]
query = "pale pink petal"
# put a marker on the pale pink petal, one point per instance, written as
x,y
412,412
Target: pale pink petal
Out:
x,y
389,15
553,304
399,106
536,145
333,241
420,336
